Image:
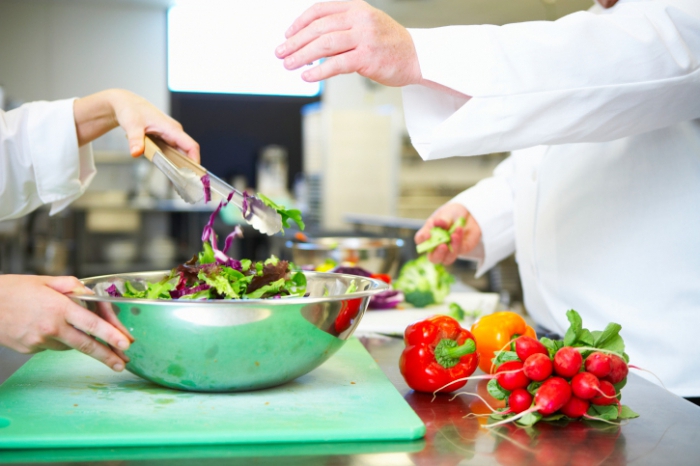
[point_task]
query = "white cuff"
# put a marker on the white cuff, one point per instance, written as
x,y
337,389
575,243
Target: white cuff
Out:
x,y
61,169
490,202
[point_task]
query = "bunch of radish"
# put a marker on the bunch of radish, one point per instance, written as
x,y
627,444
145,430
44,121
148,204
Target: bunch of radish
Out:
x,y
578,377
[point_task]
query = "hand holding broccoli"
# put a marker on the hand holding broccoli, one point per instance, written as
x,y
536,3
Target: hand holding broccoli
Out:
x,y
455,220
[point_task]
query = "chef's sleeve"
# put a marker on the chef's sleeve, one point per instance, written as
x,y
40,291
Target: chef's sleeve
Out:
x,y
40,161
491,203
583,78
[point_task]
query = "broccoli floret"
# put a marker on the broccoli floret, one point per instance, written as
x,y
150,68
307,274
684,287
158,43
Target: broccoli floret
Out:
x,y
420,298
424,283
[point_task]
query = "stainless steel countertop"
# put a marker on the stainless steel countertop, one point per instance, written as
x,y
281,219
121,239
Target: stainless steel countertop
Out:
x,y
667,432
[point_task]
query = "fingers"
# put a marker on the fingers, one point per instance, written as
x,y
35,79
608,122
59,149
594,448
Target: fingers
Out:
x,y
328,45
105,311
88,345
315,12
340,64
306,36
66,285
92,325
136,135
183,141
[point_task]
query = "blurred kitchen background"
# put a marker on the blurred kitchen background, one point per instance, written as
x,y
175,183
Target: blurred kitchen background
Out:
x,y
339,151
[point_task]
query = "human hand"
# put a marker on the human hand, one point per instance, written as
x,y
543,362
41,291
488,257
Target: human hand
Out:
x,y
353,37
35,315
607,3
463,239
101,112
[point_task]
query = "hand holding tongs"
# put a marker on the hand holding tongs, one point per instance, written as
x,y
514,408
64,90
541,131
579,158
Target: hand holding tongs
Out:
x,y
186,176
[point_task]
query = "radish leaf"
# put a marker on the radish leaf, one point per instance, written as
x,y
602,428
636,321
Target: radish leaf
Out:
x,y
505,356
627,413
496,391
529,419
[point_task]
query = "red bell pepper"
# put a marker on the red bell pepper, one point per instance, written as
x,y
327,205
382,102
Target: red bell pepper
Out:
x,y
348,312
438,351
385,277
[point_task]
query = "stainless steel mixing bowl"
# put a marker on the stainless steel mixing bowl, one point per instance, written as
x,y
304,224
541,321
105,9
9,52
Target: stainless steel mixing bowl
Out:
x,y
378,255
234,345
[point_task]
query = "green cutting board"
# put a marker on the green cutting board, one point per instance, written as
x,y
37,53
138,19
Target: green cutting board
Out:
x,y
69,400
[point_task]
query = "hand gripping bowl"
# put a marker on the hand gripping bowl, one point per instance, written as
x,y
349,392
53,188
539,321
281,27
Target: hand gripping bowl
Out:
x,y
234,345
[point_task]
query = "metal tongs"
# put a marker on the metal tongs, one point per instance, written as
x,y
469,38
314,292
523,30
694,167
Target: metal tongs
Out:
x,y
186,177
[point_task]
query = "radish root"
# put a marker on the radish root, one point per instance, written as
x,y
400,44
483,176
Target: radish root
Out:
x,y
493,410
474,377
631,366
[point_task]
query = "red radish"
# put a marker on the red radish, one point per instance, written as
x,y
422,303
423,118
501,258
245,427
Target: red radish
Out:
x,y
527,346
510,376
567,361
618,370
585,385
608,395
598,364
552,395
575,407
538,367
519,400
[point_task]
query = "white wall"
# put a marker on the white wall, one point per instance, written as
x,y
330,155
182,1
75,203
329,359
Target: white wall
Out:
x,y
53,49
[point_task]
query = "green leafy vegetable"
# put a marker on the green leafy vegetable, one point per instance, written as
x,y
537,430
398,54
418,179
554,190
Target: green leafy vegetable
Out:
x,y
496,391
505,356
286,214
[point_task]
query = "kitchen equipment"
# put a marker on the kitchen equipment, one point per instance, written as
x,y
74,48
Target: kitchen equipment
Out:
x,y
235,345
272,171
186,177
378,255
69,400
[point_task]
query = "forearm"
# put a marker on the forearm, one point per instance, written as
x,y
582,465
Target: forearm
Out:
x,y
94,115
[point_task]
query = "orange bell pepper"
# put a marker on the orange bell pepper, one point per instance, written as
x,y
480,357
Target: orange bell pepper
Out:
x,y
493,332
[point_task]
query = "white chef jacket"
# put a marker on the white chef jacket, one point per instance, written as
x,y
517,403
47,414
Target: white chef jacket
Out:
x,y
40,161
602,205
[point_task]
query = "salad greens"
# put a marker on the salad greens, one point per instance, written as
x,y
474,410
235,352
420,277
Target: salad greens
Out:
x,y
286,214
212,274
440,236
424,283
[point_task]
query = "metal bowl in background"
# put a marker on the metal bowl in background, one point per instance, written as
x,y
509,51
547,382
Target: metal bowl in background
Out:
x,y
378,255
234,345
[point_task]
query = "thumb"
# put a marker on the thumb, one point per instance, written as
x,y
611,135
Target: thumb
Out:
x,y
66,285
136,141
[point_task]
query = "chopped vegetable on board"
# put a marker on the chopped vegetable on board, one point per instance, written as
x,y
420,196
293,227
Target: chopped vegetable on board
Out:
x,y
438,352
424,283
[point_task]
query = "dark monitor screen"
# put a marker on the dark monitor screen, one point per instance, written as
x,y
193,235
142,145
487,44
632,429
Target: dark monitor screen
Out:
x,y
232,130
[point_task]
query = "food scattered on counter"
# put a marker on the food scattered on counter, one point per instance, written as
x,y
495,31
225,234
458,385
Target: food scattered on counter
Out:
x,y
458,313
439,355
440,236
424,283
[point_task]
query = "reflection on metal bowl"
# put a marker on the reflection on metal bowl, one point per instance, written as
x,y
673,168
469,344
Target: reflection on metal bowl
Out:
x,y
234,345
378,255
